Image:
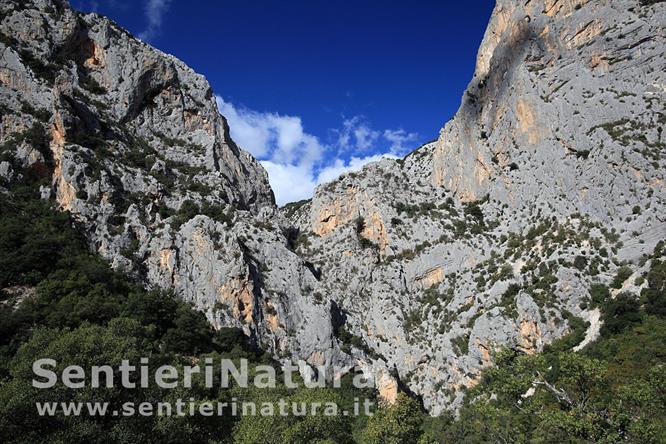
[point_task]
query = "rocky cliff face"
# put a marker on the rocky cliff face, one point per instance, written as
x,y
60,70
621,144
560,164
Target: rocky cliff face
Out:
x,y
548,179
130,141
562,89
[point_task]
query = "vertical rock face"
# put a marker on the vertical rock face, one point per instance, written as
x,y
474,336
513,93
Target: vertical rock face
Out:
x,y
565,106
99,82
549,177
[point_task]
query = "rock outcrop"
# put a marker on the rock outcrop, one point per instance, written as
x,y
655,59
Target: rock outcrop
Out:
x,y
549,178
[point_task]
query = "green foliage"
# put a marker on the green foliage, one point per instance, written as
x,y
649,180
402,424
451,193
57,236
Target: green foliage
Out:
x,y
610,392
569,404
34,241
461,344
577,329
44,71
413,320
36,137
91,85
349,340
619,313
291,429
188,209
508,300
41,114
473,209
504,273
366,243
399,423
599,294
94,140
40,248
292,208
580,262
621,276
86,346
654,295
362,240
632,352
219,213
415,210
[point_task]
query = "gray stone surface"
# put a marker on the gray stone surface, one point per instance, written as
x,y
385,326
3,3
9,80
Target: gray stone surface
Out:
x,y
562,122
549,177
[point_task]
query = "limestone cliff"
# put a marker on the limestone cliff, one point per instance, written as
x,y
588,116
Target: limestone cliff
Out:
x,y
549,178
130,141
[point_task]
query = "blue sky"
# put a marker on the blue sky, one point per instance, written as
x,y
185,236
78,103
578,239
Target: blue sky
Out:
x,y
317,87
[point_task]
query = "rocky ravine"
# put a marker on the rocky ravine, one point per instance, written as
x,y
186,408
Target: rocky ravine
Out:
x,y
549,178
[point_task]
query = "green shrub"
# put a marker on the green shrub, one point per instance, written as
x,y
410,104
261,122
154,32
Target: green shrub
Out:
x,y
396,423
473,209
654,296
413,320
599,294
91,85
364,242
42,70
188,209
508,300
580,262
461,344
619,313
621,276
41,114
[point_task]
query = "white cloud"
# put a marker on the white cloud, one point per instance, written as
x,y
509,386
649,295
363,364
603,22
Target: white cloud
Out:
x,y
356,135
289,182
297,182
400,141
270,136
249,129
154,11
339,167
297,161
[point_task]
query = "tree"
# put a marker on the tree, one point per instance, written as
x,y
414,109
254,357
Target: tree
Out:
x,y
619,313
398,423
292,429
654,296
621,276
85,346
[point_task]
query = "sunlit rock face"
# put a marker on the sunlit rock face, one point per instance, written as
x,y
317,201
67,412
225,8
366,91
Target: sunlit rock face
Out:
x,y
549,177
135,148
562,89
558,146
